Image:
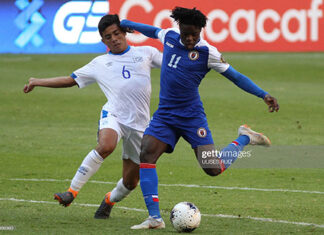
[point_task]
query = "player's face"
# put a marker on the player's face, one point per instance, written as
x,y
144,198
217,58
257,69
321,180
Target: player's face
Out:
x,y
189,35
114,39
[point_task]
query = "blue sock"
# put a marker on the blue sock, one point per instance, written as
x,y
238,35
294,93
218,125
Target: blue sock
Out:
x,y
243,140
229,154
149,186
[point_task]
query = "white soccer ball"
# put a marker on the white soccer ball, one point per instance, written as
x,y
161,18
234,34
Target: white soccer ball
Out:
x,y
185,217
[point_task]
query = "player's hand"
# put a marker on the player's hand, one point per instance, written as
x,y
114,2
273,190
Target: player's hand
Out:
x,y
30,86
129,30
272,103
124,24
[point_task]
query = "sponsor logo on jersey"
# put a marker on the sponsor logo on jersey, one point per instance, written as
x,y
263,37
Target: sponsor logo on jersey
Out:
x,y
201,132
193,55
109,64
169,44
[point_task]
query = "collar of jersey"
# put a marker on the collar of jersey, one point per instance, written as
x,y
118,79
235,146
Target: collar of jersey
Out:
x,y
184,45
122,53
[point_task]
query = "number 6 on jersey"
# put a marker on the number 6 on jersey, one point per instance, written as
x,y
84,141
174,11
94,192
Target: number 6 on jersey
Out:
x,y
126,73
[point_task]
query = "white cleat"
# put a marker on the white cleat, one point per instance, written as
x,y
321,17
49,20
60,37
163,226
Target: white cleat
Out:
x,y
150,223
255,137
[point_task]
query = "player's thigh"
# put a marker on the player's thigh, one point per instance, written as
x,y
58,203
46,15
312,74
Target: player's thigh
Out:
x,y
196,132
131,144
159,137
152,148
130,174
107,141
109,134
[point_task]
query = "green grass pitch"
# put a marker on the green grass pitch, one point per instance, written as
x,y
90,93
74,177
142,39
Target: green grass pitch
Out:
x,y
46,134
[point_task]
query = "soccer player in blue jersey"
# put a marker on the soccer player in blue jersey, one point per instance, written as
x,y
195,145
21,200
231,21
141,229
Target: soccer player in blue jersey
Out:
x,y
186,60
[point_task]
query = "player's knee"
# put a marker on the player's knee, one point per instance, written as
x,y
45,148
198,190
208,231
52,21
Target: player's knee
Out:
x,y
130,182
146,155
105,149
131,185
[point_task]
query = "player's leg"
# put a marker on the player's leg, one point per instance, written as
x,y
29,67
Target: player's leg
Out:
x,y
107,142
124,187
131,151
108,136
212,167
158,138
215,162
152,149
197,133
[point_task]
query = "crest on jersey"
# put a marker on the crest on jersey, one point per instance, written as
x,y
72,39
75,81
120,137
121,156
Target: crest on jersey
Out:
x,y
138,59
201,132
193,55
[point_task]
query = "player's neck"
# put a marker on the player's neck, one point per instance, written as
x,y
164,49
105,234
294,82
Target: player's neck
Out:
x,y
121,52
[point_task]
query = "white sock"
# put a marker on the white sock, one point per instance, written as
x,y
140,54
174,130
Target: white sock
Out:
x,y
88,167
119,192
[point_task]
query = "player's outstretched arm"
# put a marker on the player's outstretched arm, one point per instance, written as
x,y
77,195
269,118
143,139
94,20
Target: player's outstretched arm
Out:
x,y
148,30
57,82
249,86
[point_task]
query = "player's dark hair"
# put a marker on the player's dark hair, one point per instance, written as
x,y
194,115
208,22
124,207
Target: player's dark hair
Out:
x,y
189,16
108,20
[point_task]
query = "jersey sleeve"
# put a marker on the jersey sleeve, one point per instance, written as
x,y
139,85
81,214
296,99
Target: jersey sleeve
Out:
x,y
156,57
216,60
85,75
163,32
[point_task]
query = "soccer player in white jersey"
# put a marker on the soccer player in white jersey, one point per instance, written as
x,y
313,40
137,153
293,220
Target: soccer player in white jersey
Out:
x,y
186,60
123,74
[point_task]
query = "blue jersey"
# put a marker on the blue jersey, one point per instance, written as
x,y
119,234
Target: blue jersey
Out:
x,y
181,73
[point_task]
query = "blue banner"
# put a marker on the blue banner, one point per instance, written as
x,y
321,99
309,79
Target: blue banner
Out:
x,y
46,26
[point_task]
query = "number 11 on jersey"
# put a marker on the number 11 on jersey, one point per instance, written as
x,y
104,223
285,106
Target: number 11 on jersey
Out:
x,y
176,61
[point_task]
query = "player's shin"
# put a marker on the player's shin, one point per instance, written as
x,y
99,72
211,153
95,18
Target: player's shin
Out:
x,y
119,192
231,152
88,167
149,186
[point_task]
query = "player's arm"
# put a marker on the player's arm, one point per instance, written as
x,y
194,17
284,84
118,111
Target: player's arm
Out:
x,y
156,57
249,86
148,30
56,82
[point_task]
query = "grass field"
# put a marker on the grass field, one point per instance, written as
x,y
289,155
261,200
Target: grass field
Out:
x,y
45,135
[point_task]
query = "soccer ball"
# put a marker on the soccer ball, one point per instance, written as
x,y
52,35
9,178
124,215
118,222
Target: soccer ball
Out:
x,y
185,217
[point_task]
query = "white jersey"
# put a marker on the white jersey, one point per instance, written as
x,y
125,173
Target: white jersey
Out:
x,y
125,80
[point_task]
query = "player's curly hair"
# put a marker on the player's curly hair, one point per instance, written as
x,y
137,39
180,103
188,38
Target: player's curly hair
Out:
x,y
189,16
108,20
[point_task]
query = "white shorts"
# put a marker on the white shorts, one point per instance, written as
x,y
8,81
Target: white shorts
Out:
x,y
131,138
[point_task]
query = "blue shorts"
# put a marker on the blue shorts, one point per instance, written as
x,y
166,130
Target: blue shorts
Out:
x,y
168,130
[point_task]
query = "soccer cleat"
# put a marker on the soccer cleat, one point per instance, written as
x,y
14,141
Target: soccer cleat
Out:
x,y
103,212
65,199
150,223
255,137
